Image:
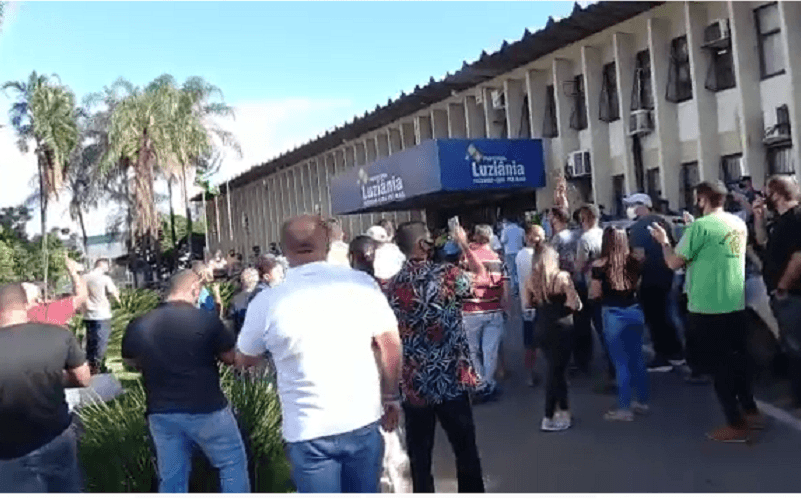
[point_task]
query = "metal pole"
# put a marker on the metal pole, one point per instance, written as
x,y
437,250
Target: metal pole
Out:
x,y
228,199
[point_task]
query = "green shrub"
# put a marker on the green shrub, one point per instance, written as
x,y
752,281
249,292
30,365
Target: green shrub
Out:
x,y
117,456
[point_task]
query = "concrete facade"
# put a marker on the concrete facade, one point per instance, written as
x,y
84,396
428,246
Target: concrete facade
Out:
x,y
689,139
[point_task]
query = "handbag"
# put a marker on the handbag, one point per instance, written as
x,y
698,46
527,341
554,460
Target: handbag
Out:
x,y
396,476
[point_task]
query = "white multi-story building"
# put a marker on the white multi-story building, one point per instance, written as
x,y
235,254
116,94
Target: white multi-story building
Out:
x,y
626,97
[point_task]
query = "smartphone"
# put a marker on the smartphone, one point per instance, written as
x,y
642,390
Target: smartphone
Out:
x,y
453,223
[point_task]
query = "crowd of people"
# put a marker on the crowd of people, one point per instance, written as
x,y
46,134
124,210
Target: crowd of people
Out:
x,y
397,328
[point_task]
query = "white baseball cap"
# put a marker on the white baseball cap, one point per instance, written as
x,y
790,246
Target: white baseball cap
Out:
x,y
639,198
378,234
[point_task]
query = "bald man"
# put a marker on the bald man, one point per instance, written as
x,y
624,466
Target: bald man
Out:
x,y
176,347
38,448
335,343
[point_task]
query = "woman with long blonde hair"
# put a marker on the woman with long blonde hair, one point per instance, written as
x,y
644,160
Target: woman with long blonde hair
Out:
x,y
615,277
550,291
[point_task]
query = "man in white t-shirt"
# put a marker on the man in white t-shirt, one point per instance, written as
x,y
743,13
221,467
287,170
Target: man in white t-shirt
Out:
x,y
334,340
535,237
97,317
512,239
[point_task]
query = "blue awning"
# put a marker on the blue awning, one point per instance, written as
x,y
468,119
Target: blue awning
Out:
x,y
440,169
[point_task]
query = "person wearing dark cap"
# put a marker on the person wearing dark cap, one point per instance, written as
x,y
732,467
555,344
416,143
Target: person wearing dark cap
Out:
x,y
713,250
38,447
321,314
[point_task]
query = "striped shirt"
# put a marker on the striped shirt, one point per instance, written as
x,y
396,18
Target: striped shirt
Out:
x,y
487,292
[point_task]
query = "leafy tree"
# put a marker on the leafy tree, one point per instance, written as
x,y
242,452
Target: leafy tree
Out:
x,y
45,113
13,220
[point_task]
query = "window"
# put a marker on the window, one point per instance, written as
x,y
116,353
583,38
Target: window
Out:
x,y
619,188
549,125
780,161
720,75
731,168
654,187
578,119
689,179
609,106
680,83
771,54
525,121
642,94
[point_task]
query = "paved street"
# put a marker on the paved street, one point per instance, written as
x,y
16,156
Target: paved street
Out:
x,y
665,451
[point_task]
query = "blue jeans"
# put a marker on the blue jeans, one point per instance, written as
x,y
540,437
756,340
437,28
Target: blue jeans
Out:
x,y
623,330
52,467
97,335
218,437
350,462
484,335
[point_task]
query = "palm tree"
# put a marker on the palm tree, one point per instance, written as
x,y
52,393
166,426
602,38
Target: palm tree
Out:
x,y
45,113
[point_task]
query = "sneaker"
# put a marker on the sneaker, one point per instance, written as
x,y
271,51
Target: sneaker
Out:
x,y
564,417
677,362
641,409
552,424
659,366
619,415
755,420
731,434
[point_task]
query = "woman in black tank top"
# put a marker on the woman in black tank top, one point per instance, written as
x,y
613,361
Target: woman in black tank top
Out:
x,y
550,291
615,277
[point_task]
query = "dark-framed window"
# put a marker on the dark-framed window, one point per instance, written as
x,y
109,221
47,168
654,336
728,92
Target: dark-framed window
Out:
x,y
653,184
689,179
550,128
720,75
525,120
642,96
578,118
769,39
609,106
619,189
680,82
780,160
731,168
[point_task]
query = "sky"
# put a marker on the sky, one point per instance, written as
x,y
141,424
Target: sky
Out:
x,y
291,70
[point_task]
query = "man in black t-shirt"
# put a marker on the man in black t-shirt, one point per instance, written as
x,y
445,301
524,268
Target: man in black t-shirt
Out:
x,y
782,265
38,448
176,347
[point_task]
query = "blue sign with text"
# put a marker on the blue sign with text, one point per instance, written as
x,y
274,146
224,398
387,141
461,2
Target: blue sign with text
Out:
x,y
446,165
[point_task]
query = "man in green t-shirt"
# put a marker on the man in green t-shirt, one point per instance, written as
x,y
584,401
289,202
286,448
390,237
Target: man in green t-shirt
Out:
x,y
713,251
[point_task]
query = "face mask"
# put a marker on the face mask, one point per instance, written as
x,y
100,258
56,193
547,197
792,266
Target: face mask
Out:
x,y
631,212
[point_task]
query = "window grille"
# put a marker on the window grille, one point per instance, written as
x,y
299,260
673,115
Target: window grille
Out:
x,y
525,121
780,161
680,83
720,75
609,104
549,125
578,118
689,179
771,54
642,92
731,168
654,186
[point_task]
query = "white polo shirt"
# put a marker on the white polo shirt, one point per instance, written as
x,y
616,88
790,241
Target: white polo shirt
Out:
x,y
319,325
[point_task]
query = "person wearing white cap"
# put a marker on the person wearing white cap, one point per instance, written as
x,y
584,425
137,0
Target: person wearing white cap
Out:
x,y
388,257
656,284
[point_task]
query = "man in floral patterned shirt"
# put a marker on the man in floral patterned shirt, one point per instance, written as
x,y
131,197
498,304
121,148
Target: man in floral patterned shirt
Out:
x,y
437,372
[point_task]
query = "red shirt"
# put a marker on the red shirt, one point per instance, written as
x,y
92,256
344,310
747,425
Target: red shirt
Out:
x,y
487,292
57,313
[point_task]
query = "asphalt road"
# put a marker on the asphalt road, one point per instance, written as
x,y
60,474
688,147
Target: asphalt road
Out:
x,y
665,451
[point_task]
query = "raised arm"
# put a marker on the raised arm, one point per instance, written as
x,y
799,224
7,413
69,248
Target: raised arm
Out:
x,y
78,284
473,263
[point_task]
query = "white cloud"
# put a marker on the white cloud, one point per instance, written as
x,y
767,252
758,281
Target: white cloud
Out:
x,y
265,129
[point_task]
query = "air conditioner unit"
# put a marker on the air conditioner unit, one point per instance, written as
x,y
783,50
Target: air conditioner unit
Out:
x,y
640,122
777,135
716,35
578,164
498,99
